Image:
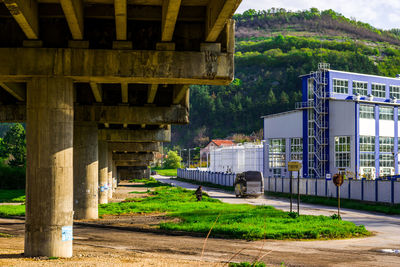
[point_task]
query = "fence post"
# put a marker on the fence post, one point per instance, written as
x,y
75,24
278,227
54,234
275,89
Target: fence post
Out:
x,y
362,188
376,189
392,190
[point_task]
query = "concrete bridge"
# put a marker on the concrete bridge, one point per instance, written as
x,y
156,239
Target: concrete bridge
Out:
x,y
98,83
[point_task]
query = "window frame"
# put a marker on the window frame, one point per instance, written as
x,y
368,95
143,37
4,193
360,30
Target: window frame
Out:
x,y
366,114
342,152
377,92
357,89
339,88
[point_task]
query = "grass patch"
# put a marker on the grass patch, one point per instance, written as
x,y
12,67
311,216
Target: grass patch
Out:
x,y
166,172
247,264
227,188
345,203
17,195
234,221
149,183
12,210
3,235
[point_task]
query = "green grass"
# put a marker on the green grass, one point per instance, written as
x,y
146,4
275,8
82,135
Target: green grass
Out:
x,y
5,235
148,183
17,195
166,172
345,203
247,264
234,221
12,210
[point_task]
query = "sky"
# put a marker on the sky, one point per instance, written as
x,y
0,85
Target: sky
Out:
x,y
382,14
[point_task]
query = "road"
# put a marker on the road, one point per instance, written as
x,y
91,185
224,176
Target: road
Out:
x,y
113,246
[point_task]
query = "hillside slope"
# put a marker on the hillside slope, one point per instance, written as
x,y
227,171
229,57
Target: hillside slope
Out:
x,y
272,50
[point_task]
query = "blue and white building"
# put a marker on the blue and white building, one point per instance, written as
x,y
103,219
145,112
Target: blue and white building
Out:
x,y
345,122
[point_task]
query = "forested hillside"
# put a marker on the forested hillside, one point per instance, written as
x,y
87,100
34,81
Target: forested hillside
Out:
x,y
273,48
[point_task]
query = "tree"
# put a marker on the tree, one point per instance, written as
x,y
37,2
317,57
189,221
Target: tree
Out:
x,y
172,161
14,144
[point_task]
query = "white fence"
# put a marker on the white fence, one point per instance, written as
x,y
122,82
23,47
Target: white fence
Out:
x,y
385,191
240,158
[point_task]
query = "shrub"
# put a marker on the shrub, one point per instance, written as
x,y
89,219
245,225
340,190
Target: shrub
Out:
x,y
12,177
172,161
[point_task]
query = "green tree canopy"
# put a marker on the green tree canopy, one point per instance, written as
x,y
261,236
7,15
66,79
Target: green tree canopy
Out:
x,y
14,144
173,161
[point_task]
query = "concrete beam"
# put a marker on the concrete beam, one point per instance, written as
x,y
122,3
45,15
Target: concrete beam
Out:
x,y
134,147
180,91
97,92
176,114
73,10
17,90
218,14
133,157
127,163
170,10
117,66
124,92
160,135
151,93
25,12
120,19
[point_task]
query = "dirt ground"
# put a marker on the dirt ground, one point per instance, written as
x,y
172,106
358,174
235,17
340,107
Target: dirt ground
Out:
x,y
135,241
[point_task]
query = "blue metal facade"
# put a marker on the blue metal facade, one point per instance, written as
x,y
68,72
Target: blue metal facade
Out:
x,y
376,101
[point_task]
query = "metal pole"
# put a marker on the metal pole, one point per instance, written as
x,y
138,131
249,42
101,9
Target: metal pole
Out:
x,y
189,158
338,207
291,200
298,192
200,158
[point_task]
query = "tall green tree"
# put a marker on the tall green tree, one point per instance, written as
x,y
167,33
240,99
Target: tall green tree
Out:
x,y
14,144
172,161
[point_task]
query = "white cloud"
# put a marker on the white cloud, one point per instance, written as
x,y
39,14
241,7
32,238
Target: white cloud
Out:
x,y
378,13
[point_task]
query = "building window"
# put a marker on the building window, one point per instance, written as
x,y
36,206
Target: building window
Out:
x,y
386,144
367,143
367,160
386,113
394,91
367,112
340,86
277,150
296,149
386,160
310,89
342,151
378,90
360,88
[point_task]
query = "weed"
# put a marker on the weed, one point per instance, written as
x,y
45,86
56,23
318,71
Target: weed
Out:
x,y
336,217
247,264
293,215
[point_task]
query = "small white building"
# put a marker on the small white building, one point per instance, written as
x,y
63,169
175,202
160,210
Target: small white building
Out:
x,y
236,159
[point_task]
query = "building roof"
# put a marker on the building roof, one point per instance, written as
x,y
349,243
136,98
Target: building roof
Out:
x,y
220,142
360,74
281,113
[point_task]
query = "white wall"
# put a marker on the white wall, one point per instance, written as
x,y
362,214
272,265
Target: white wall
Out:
x,y
341,123
367,127
284,125
386,128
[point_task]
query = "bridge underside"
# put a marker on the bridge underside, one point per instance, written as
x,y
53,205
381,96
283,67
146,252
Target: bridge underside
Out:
x,y
98,83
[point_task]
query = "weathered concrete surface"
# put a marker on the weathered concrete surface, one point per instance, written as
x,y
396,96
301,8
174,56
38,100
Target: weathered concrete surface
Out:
x,y
134,156
134,147
86,171
176,114
49,171
160,135
132,163
110,173
118,66
103,172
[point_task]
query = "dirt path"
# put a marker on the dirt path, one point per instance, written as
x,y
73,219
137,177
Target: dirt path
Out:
x,y
94,246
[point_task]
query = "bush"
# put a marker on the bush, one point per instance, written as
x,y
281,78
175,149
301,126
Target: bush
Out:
x,y
12,177
172,161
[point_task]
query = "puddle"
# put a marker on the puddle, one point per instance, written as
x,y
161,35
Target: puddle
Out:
x,y
390,251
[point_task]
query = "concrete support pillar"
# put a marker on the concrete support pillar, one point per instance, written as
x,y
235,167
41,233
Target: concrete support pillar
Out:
x,y
115,183
49,171
86,171
103,172
110,174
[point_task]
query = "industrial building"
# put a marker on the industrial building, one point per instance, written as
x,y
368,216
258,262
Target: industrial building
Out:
x,y
236,159
346,122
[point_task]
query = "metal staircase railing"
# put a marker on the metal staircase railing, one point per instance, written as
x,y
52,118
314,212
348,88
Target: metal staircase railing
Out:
x,y
320,119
